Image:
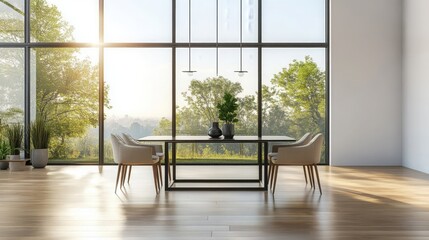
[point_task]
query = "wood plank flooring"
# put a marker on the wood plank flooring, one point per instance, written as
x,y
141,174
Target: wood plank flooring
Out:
x,y
78,202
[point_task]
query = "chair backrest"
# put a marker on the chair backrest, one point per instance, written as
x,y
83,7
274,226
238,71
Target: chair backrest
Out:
x,y
116,147
124,153
129,140
317,143
302,155
306,138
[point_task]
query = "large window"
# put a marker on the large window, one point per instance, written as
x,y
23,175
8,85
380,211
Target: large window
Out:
x,y
96,67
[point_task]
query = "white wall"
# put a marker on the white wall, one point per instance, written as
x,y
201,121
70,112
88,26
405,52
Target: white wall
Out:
x,y
366,95
416,85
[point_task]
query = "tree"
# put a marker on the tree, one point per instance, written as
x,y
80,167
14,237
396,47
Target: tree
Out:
x,y
297,97
67,93
203,96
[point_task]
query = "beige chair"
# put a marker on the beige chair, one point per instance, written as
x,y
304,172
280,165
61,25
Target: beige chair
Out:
x,y
305,155
156,150
126,156
306,138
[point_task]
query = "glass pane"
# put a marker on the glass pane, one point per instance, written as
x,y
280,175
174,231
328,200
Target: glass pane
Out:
x,y
203,21
293,92
139,86
57,21
229,21
198,95
12,21
11,86
137,21
293,21
66,85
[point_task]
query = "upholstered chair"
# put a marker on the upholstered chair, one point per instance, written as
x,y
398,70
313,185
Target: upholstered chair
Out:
x,y
126,156
304,155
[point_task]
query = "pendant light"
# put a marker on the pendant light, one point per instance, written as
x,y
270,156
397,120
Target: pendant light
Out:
x,y
241,72
189,71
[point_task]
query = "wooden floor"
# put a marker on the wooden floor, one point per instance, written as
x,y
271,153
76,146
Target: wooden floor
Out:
x,y
78,202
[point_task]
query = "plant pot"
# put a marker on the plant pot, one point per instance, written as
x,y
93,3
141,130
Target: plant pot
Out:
x,y
228,131
214,131
4,165
18,164
39,158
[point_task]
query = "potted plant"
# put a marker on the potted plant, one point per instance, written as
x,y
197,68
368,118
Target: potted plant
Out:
x,y
228,114
4,151
40,135
14,133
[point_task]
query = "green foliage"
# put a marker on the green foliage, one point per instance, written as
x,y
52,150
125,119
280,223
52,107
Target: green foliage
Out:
x,y
203,96
228,108
4,149
300,91
14,133
163,128
40,134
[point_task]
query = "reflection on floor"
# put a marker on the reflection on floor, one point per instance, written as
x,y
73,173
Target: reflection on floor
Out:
x,y
78,202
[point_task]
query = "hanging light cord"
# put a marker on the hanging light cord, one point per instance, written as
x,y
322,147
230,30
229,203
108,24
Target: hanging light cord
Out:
x,y
241,35
217,37
241,72
189,37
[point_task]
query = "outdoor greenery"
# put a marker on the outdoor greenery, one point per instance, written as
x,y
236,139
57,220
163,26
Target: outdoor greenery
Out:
x,y
40,134
66,97
66,94
14,134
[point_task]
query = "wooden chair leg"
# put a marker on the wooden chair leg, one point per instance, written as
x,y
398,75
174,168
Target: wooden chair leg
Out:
x,y
276,171
160,172
155,177
273,168
310,176
123,175
305,174
129,174
117,176
318,180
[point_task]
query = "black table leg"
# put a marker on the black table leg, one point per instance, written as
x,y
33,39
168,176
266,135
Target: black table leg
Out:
x,y
260,160
173,150
167,168
265,166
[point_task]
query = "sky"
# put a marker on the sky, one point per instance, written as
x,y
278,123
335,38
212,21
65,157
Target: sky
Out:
x,y
140,79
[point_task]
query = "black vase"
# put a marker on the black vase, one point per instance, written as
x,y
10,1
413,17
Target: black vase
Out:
x,y
228,131
214,131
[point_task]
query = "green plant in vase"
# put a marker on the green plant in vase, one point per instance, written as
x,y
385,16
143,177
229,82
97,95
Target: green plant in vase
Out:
x,y
228,114
14,133
4,151
40,135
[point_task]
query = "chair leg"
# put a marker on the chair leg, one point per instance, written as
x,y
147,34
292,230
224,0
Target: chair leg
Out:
x,y
276,171
129,175
160,172
117,176
123,175
272,170
318,180
310,176
155,177
305,174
